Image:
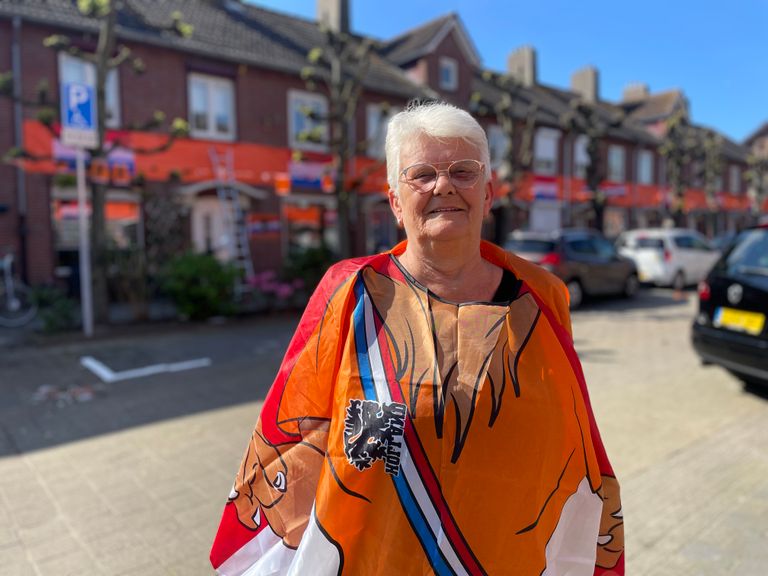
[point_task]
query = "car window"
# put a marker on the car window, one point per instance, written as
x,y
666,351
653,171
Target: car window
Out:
x,y
700,244
657,243
750,254
529,245
604,248
582,246
683,241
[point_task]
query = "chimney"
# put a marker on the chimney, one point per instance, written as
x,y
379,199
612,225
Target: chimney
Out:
x,y
521,65
635,92
334,14
585,82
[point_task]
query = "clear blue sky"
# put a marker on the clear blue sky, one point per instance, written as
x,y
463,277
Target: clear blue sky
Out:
x,y
715,51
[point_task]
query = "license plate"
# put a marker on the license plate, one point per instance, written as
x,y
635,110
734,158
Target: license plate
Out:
x,y
642,276
739,320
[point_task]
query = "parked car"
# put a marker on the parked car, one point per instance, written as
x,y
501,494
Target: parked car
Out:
x,y
674,257
583,259
730,328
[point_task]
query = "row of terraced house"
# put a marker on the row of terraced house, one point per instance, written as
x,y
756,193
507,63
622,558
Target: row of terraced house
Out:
x,y
237,80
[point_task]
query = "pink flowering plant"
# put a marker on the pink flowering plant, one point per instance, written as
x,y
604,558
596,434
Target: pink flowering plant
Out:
x,y
279,294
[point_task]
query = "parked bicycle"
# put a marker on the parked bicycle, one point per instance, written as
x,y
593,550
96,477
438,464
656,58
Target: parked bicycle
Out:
x,y
16,304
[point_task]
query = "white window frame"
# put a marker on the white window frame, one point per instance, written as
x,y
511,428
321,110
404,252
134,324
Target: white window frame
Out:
x,y
376,128
645,167
580,156
617,163
546,151
212,84
497,145
734,179
88,76
296,100
451,67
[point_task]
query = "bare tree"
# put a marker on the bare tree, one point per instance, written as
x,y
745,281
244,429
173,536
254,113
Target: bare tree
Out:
x,y
757,179
584,118
678,148
339,65
517,122
108,56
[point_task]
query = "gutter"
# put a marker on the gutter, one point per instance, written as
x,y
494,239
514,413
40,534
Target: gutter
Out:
x,y
18,141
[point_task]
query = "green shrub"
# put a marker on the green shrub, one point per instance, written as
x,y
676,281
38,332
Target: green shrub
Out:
x,y
308,265
55,309
200,286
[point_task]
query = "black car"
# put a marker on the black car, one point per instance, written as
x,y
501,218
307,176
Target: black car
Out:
x,y
731,328
584,259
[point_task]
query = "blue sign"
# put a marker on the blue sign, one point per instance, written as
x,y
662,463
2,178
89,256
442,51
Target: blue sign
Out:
x,y
79,107
78,115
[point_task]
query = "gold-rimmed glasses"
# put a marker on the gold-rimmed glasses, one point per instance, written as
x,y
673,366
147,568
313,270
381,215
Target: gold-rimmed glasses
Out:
x,y
422,177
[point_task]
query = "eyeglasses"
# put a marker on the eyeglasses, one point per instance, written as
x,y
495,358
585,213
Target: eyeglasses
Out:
x,y
422,178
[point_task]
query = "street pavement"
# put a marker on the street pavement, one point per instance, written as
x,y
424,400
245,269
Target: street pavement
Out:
x,y
129,476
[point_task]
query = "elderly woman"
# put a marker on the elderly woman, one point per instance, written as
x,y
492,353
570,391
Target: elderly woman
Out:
x,y
430,415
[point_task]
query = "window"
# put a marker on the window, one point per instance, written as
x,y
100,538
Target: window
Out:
x,y
377,118
545,155
616,163
497,144
449,74
580,157
211,107
304,131
734,180
645,167
72,69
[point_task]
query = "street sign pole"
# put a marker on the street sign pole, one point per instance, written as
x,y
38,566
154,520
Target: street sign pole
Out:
x,y
78,130
86,292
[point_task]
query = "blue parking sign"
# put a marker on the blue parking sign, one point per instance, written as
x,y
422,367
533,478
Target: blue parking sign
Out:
x,y
78,115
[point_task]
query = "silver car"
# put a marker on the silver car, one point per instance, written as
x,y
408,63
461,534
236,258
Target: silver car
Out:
x,y
675,257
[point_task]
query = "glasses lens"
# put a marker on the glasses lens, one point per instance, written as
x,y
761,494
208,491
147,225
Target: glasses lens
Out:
x,y
464,173
421,177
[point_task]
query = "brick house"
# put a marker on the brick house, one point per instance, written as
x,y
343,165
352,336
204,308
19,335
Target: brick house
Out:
x,y
237,80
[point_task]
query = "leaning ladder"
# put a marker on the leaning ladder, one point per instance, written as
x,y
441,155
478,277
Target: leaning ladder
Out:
x,y
234,218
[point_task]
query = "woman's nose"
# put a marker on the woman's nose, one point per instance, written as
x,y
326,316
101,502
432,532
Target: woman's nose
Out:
x,y
444,186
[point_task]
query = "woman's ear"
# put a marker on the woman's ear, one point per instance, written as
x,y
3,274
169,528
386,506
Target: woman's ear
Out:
x,y
394,204
488,202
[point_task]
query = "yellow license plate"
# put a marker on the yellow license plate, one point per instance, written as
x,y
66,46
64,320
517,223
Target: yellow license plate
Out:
x,y
739,320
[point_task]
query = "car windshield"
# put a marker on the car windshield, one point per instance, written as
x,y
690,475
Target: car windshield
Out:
x,y
749,255
529,245
654,243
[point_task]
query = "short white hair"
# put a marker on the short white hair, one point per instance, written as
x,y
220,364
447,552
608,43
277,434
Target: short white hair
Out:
x,y
438,120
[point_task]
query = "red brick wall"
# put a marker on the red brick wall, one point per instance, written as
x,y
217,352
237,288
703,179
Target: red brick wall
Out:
x,y
449,47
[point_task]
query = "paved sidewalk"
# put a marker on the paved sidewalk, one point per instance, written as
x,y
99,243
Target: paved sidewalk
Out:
x,y
133,481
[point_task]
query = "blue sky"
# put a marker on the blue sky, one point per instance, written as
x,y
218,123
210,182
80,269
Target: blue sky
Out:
x,y
714,51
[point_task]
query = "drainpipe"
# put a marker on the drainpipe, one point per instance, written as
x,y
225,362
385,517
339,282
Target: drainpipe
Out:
x,y
18,119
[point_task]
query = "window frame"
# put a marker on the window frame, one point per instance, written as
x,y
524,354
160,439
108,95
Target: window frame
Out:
x,y
375,133
450,65
111,87
610,175
545,137
211,82
734,179
643,177
298,98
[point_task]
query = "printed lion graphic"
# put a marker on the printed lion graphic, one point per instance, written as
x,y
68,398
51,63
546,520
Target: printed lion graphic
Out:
x,y
274,482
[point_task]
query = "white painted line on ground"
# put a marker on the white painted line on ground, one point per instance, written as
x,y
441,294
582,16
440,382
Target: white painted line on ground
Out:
x,y
108,375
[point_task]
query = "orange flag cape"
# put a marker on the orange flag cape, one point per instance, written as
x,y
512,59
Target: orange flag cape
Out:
x,y
405,434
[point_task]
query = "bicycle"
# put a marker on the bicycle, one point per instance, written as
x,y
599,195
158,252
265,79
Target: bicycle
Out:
x,y
17,307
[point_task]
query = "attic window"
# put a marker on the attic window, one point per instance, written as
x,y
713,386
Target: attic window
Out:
x,y
449,74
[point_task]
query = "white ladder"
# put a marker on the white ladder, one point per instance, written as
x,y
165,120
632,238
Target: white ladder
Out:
x,y
234,218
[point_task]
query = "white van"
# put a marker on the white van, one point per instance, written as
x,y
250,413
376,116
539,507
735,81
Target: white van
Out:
x,y
674,257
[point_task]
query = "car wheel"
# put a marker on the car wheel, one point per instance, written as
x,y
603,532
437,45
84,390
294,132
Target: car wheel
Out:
x,y
631,286
575,292
678,282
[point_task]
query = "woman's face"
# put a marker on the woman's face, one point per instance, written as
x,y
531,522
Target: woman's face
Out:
x,y
448,212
